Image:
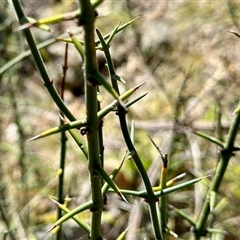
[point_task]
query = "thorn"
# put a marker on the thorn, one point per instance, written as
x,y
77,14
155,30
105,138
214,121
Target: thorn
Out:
x,y
124,232
119,24
235,33
208,176
123,198
24,26
61,117
55,201
236,111
123,159
139,85
70,33
173,234
180,176
129,226
50,229
34,138
136,18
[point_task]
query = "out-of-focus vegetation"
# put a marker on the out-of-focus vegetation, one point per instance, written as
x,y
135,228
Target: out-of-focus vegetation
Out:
x,y
189,60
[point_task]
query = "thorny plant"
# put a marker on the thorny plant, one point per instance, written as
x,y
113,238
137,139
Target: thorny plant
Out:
x,y
91,128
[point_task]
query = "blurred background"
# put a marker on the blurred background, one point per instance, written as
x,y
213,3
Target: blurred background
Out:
x,y
189,58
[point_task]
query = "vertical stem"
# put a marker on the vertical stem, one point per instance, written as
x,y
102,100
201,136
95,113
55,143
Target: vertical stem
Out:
x,y
151,196
90,66
163,201
63,148
122,120
61,179
226,154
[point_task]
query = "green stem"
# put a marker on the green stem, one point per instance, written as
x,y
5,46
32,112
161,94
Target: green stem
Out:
x,y
163,185
42,69
40,64
90,66
61,179
63,147
77,139
160,193
226,154
151,198
83,123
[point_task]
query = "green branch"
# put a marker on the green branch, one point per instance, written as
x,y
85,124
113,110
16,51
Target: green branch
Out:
x,y
226,154
87,20
48,83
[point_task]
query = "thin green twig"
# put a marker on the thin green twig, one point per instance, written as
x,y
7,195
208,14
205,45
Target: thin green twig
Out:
x,y
226,154
63,147
150,198
48,83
